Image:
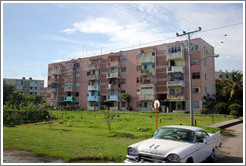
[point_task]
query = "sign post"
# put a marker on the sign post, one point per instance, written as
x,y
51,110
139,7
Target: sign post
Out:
x,y
156,105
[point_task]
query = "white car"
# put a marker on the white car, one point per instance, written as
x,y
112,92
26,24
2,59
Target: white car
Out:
x,y
176,143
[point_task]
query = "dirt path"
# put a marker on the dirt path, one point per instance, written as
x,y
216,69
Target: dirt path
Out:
x,y
232,147
21,156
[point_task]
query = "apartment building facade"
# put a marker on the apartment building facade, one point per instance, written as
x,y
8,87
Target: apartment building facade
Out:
x,y
27,86
146,74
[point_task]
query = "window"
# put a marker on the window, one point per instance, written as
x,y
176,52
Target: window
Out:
x,y
174,49
205,50
196,47
77,94
123,104
195,90
122,81
145,104
123,58
205,63
153,53
195,61
139,68
205,76
200,135
77,84
77,75
172,91
123,69
137,79
196,104
196,75
138,92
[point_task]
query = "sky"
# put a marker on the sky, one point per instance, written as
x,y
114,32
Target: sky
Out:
x,y
37,34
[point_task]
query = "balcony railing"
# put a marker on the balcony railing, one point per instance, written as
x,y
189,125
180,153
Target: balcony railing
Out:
x,y
175,69
113,98
93,87
147,96
68,99
55,72
113,86
176,97
69,89
113,75
145,72
113,64
53,90
177,55
93,98
93,77
147,59
175,83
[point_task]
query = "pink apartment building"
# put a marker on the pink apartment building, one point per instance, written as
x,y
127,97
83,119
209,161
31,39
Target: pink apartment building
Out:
x,y
147,74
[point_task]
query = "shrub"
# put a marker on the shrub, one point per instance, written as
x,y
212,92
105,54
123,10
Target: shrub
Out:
x,y
236,107
234,113
204,111
221,108
186,112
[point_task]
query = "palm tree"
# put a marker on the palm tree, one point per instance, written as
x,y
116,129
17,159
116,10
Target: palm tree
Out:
x,y
234,87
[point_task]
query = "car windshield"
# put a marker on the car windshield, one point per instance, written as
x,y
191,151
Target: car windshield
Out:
x,y
176,134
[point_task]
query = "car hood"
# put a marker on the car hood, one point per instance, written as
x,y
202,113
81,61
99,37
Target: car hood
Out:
x,y
162,147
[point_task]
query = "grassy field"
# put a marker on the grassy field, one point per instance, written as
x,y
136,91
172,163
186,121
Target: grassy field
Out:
x,y
85,135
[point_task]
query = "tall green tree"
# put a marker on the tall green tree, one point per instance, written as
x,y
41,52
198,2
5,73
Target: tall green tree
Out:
x,y
234,88
8,90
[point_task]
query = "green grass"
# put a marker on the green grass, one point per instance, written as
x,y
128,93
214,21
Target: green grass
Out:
x,y
85,136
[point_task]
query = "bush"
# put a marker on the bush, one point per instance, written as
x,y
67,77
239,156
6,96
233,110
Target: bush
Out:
x,y
234,113
236,107
186,112
221,108
204,111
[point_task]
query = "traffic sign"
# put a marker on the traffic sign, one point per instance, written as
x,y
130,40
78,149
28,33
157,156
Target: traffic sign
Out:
x,y
157,102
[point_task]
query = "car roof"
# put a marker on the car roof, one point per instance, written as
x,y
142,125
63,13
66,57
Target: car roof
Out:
x,y
183,127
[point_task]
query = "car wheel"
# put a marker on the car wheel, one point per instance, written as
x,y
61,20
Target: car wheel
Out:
x,y
212,156
189,160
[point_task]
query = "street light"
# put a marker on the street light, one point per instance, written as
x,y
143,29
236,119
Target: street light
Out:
x,y
190,90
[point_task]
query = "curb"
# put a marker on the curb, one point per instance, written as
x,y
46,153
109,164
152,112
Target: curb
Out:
x,y
226,124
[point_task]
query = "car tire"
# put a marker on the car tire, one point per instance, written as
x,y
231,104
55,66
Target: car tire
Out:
x,y
211,158
189,160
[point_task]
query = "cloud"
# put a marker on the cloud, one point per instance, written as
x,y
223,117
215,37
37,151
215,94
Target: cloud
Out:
x,y
60,38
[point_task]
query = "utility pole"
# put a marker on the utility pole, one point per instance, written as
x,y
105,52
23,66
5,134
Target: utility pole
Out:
x,y
190,72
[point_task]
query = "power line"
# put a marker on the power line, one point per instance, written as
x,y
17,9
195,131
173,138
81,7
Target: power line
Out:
x,y
222,27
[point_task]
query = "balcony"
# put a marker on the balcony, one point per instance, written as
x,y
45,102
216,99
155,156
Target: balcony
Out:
x,y
147,96
93,77
146,72
113,98
113,75
176,97
93,98
113,64
69,89
175,83
176,55
92,65
147,58
114,86
93,87
175,69
68,99
54,90
55,72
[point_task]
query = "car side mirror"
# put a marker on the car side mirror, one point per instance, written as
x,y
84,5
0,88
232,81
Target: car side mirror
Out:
x,y
200,141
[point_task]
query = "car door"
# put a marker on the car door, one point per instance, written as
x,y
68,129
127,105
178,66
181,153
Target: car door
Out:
x,y
202,150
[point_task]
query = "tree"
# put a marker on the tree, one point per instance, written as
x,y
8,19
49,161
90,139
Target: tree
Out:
x,y
234,88
8,89
127,98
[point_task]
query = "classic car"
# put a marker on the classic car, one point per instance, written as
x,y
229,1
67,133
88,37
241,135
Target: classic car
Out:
x,y
175,143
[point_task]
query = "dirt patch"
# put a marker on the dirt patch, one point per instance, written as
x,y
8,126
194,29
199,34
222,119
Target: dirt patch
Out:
x,y
22,156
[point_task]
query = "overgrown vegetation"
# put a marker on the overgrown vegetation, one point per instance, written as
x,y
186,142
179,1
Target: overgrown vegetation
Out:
x,y
19,108
229,96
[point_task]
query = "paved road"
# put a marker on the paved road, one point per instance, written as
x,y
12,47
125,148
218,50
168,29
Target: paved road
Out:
x,y
232,147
